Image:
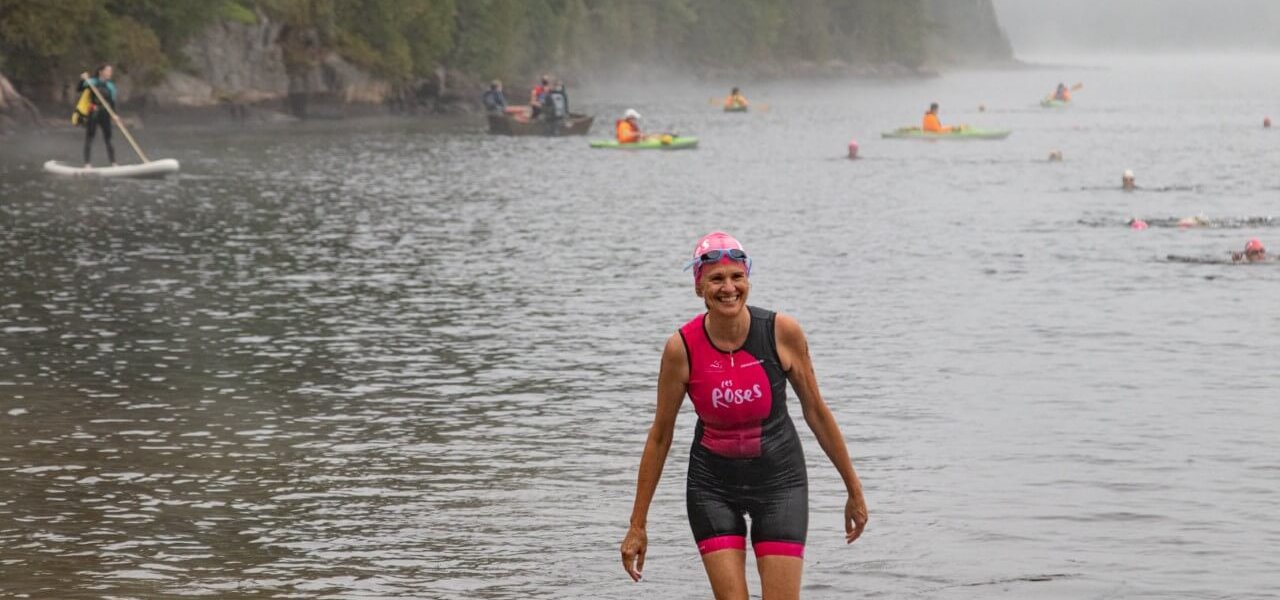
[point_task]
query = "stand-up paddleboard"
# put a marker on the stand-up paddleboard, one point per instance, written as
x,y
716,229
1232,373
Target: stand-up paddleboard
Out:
x,y
148,167
155,168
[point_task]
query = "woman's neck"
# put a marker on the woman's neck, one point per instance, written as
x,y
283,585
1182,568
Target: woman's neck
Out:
x,y
729,332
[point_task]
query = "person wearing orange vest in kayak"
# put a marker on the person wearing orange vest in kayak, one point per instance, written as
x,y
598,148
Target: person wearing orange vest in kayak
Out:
x,y
932,124
735,100
1062,94
628,127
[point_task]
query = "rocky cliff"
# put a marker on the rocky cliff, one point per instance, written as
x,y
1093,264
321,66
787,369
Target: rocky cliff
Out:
x,y
16,112
967,32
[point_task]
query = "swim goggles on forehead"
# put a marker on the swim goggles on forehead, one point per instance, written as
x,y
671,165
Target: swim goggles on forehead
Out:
x,y
712,257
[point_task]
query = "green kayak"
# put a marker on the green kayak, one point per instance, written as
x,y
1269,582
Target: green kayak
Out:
x,y
1051,103
736,108
653,143
968,133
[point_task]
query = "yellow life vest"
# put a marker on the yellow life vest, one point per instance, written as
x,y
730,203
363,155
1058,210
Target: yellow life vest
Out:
x,y
83,107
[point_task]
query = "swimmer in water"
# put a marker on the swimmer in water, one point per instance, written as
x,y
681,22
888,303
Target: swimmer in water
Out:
x,y
1191,222
1253,252
1127,181
734,362
1055,156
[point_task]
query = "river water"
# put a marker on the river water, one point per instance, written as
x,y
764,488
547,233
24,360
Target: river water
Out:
x,y
406,359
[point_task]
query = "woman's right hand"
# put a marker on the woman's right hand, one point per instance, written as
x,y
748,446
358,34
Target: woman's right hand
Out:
x,y
633,549
855,517
84,76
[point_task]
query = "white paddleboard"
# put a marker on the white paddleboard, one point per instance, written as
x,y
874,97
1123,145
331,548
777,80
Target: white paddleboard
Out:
x,y
155,168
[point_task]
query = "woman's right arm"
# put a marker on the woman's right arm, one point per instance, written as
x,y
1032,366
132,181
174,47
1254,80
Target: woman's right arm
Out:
x,y
673,380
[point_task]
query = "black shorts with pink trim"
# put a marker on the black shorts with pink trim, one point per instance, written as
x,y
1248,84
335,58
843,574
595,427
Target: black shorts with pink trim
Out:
x,y
779,509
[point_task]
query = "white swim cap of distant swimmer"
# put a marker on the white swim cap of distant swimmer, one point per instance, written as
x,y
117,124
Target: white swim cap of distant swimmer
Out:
x,y
1128,174
631,114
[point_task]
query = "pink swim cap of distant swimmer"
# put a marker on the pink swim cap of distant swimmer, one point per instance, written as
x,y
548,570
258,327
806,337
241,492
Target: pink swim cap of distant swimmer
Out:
x,y
716,240
1138,224
1254,245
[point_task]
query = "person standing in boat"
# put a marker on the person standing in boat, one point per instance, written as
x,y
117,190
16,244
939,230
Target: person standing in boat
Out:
x,y
555,107
495,102
536,96
98,116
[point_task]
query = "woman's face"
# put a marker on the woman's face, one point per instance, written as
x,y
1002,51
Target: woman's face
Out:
x,y
106,72
724,288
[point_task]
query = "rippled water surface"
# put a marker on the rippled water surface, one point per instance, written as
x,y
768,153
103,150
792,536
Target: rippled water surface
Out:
x,y
405,359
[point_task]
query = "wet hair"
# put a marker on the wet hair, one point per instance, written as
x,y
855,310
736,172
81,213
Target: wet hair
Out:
x,y
734,91
97,73
933,106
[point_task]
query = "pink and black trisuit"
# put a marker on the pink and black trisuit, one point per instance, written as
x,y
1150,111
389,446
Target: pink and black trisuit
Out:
x,y
746,457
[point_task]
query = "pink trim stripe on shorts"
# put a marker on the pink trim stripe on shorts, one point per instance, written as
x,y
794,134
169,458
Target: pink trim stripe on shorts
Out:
x,y
722,542
778,549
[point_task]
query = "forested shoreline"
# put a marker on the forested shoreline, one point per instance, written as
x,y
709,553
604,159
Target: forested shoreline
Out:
x,y
194,52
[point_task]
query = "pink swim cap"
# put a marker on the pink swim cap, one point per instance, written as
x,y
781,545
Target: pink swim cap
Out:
x,y
1137,224
1254,245
716,240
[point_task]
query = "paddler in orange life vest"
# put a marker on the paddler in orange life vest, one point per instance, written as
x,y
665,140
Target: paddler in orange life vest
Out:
x,y
537,94
735,99
1062,94
628,127
932,124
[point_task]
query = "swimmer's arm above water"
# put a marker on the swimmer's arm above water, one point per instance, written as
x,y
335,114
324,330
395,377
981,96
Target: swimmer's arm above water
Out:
x,y
793,350
673,382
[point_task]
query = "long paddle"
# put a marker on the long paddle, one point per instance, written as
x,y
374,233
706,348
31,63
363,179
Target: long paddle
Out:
x,y
123,129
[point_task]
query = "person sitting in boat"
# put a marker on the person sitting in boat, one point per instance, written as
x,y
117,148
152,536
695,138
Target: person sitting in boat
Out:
x,y
98,116
555,106
735,100
537,94
1062,94
628,127
1253,252
932,124
495,102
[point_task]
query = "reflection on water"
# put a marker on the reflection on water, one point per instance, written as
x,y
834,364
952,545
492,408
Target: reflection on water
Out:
x,y
379,359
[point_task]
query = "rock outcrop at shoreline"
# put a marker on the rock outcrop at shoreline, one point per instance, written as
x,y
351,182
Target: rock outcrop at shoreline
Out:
x,y
241,66
16,112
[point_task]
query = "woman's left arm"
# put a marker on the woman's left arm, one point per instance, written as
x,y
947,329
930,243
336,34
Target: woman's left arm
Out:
x,y
793,350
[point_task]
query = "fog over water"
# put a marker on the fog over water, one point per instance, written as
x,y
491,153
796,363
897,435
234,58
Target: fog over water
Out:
x,y
1109,26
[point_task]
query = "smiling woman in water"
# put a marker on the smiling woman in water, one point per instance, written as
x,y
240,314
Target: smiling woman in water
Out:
x,y
734,362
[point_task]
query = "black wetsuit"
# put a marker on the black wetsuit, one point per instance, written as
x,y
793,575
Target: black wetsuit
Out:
x,y
746,457
98,117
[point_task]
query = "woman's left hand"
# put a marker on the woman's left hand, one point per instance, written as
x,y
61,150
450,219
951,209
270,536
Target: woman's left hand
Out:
x,y
855,517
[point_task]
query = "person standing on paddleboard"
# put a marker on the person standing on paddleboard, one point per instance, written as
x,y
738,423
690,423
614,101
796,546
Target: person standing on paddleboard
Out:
x,y
98,116
734,362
